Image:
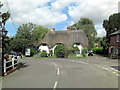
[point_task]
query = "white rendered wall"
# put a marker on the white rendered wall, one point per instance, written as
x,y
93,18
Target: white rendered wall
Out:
x,y
80,47
53,49
45,48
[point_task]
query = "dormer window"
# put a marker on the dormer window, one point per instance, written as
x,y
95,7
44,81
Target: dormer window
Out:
x,y
117,38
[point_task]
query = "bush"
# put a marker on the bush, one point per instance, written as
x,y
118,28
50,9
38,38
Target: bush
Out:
x,y
33,51
43,54
51,53
84,52
75,49
60,51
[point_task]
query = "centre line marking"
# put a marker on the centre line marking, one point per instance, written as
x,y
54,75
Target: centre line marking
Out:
x,y
55,85
58,71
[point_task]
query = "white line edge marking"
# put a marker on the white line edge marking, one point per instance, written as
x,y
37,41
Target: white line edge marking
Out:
x,y
55,85
114,72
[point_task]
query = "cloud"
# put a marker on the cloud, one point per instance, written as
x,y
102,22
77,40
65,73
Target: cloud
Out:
x,y
50,12
95,10
101,33
37,12
61,4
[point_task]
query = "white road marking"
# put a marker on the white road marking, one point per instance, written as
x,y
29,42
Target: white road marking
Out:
x,y
54,63
117,74
114,72
114,69
55,85
58,71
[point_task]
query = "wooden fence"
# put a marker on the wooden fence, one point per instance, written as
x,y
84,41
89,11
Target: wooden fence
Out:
x,y
11,64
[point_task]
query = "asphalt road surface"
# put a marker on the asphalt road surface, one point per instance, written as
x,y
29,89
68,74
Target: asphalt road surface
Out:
x,y
91,72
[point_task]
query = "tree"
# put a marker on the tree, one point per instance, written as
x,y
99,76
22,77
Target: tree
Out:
x,y
87,26
111,25
5,17
25,31
28,35
38,34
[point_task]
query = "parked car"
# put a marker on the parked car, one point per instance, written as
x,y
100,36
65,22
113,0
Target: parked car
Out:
x,y
90,53
19,55
15,54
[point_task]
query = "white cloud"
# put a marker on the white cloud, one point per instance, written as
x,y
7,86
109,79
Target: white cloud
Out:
x,y
101,33
95,10
24,11
61,4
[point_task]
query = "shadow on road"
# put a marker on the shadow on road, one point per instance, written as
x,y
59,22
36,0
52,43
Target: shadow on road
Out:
x,y
116,67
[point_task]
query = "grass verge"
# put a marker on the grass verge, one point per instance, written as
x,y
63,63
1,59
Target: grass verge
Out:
x,y
53,57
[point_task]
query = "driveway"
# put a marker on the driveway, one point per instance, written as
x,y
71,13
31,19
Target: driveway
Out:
x,y
91,72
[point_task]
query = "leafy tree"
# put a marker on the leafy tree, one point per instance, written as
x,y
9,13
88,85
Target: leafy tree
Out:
x,y
5,16
111,25
38,34
25,31
87,26
28,35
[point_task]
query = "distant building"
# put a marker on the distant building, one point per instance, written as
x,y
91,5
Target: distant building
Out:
x,y
67,38
114,49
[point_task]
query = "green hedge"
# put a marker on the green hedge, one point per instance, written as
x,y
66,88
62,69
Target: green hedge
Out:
x,y
98,50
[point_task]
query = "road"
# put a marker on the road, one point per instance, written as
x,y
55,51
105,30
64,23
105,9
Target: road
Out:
x,y
91,72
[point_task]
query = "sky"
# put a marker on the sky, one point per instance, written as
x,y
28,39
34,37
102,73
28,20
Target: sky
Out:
x,y
58,14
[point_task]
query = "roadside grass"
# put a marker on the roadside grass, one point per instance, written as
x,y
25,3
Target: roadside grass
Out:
x,y
40,57
78,57
1,78
53,57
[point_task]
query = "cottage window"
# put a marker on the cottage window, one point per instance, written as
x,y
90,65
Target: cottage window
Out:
x,y
117,38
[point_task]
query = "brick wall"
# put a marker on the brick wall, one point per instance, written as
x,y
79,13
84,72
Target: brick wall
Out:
x,y
114,43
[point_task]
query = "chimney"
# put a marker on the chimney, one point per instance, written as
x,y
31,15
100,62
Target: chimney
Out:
x,y
68,28
53,29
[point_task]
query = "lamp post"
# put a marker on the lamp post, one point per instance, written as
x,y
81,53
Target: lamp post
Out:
x,y
3,33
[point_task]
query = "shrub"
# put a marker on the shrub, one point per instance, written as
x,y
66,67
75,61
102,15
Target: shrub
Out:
x,y
43,54
60,51
75,49
51,53
84,52
33,51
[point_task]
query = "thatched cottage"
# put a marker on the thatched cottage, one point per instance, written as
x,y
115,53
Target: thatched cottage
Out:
x,y
67,38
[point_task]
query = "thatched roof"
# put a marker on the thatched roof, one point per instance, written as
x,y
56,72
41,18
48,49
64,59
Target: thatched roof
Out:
x,y
65,37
